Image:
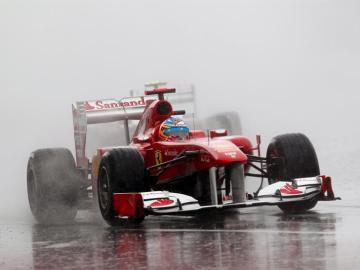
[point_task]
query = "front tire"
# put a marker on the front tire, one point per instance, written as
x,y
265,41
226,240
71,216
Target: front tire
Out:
x,y
53,185
121,170
291,156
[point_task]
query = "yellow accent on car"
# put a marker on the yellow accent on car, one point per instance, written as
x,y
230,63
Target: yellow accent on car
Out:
x,y
158,157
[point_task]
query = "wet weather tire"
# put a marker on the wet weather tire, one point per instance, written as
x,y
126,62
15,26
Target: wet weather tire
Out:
x,y
53,184
292,156
121,170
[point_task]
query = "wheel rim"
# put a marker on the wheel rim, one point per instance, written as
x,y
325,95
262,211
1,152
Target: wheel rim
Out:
x,y
104,189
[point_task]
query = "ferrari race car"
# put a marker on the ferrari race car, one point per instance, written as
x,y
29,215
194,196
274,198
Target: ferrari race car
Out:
x,y
168,169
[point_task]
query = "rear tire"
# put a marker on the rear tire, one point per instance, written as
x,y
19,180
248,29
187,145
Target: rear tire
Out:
x,y
121,170
53,185
291,156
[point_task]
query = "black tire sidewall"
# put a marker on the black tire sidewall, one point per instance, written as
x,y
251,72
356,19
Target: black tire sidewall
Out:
x,y
108,212
296,158
56,180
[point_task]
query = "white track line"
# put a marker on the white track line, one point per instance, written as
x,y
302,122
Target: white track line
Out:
x,y
231,231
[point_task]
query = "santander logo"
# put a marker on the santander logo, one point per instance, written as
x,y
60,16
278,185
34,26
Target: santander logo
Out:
x,y
89,107
106,104
289,189
161,202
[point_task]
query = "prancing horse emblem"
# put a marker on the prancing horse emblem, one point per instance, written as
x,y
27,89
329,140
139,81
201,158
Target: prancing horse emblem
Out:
x,y
158,157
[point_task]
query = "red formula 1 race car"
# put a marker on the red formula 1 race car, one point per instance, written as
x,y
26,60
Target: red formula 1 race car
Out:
x,y
167,169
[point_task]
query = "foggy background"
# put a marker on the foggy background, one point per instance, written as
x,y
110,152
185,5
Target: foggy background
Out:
x,y
284,66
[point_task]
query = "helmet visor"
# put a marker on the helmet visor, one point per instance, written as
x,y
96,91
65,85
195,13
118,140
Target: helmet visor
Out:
x,y
177,132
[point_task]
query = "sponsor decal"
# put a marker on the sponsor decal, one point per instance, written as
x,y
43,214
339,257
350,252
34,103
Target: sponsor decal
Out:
x,y
227,198
171,153
289,189
205,159
158,157
107,104
89,107
223,148
231,154
161,202
155,194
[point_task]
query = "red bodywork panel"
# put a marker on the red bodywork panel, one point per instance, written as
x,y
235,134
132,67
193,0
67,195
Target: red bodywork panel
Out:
x,y
213,153
129,204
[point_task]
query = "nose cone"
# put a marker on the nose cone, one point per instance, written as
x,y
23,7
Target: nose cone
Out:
x,y
225,152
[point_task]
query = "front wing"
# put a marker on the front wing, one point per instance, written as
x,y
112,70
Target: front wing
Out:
x,y
167,203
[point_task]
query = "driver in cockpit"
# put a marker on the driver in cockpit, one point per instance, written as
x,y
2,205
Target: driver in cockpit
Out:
x,y
174,129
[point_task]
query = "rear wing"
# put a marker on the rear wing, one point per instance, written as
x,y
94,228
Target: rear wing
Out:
x,y
103,111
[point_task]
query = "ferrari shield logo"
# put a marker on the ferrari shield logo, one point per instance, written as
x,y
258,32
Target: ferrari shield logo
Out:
x,y
158,157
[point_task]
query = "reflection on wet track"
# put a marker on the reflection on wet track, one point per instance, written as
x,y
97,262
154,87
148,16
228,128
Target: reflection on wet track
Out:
x,y
248,239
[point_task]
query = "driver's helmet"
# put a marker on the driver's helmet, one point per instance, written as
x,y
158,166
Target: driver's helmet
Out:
x,y
173,129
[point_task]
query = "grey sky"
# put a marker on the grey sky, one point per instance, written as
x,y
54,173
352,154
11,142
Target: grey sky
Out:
x,y
283,65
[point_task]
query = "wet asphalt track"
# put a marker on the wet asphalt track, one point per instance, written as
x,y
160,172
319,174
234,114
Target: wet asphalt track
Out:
x,y
257,238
